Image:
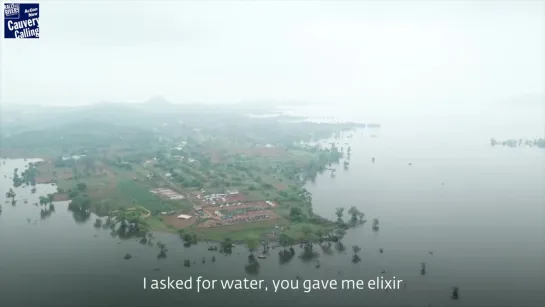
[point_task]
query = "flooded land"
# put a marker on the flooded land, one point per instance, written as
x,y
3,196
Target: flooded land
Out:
x,y
87,224
307,153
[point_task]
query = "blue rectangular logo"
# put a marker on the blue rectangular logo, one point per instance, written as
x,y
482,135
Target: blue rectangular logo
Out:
x,y
21,20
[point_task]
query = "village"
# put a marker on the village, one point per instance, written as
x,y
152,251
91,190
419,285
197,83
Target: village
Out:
x,y
193,184
218,209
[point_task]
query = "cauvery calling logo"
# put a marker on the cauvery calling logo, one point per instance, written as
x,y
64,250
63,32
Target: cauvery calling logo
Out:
x,y
21,20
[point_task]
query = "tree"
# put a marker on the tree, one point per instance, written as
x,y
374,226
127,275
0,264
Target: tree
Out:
x,y
361,216
455,294
50,198
10,193
493,142
308,236
340,233
285,240
79,207
43,200
306,230
252,243
81,186
46,212
354,212
356,249
188,239
265,245
320,234
340,212
98,223
226,245
252,268
163,250
375,224
296,215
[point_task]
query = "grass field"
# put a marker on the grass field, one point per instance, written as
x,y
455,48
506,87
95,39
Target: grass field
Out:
x,y
157,224
238,231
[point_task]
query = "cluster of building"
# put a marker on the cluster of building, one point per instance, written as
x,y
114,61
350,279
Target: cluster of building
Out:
x,y
248,218
75,157
229,197
238,213
167,193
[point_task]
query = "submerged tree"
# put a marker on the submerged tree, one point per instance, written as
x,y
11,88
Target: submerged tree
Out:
x,y
130,224
163,250
356,249
309,237
108,223
375,224
50,198
252,268
339,212
339,234
285,240
336,235
455,294
10,193
79,206
98,223
286,255
320,235
189,239
43,200
226,246
355,214
252,243
265,245
361,216
46,212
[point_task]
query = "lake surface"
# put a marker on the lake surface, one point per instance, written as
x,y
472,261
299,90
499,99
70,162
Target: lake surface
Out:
x,y
479,209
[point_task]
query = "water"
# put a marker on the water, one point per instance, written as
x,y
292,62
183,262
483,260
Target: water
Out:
x,y
479,209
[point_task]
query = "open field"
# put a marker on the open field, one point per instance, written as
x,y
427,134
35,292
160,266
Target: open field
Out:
x,y
113,189
174,221
47,173
240,231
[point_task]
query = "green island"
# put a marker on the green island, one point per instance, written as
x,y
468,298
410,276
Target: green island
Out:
x,y
207,173
538,142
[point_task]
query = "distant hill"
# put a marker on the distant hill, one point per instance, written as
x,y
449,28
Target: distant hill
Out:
x,y
158,100
526,100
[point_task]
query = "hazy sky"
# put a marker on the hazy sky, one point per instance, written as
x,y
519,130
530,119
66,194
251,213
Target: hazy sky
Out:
x,y
342,52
